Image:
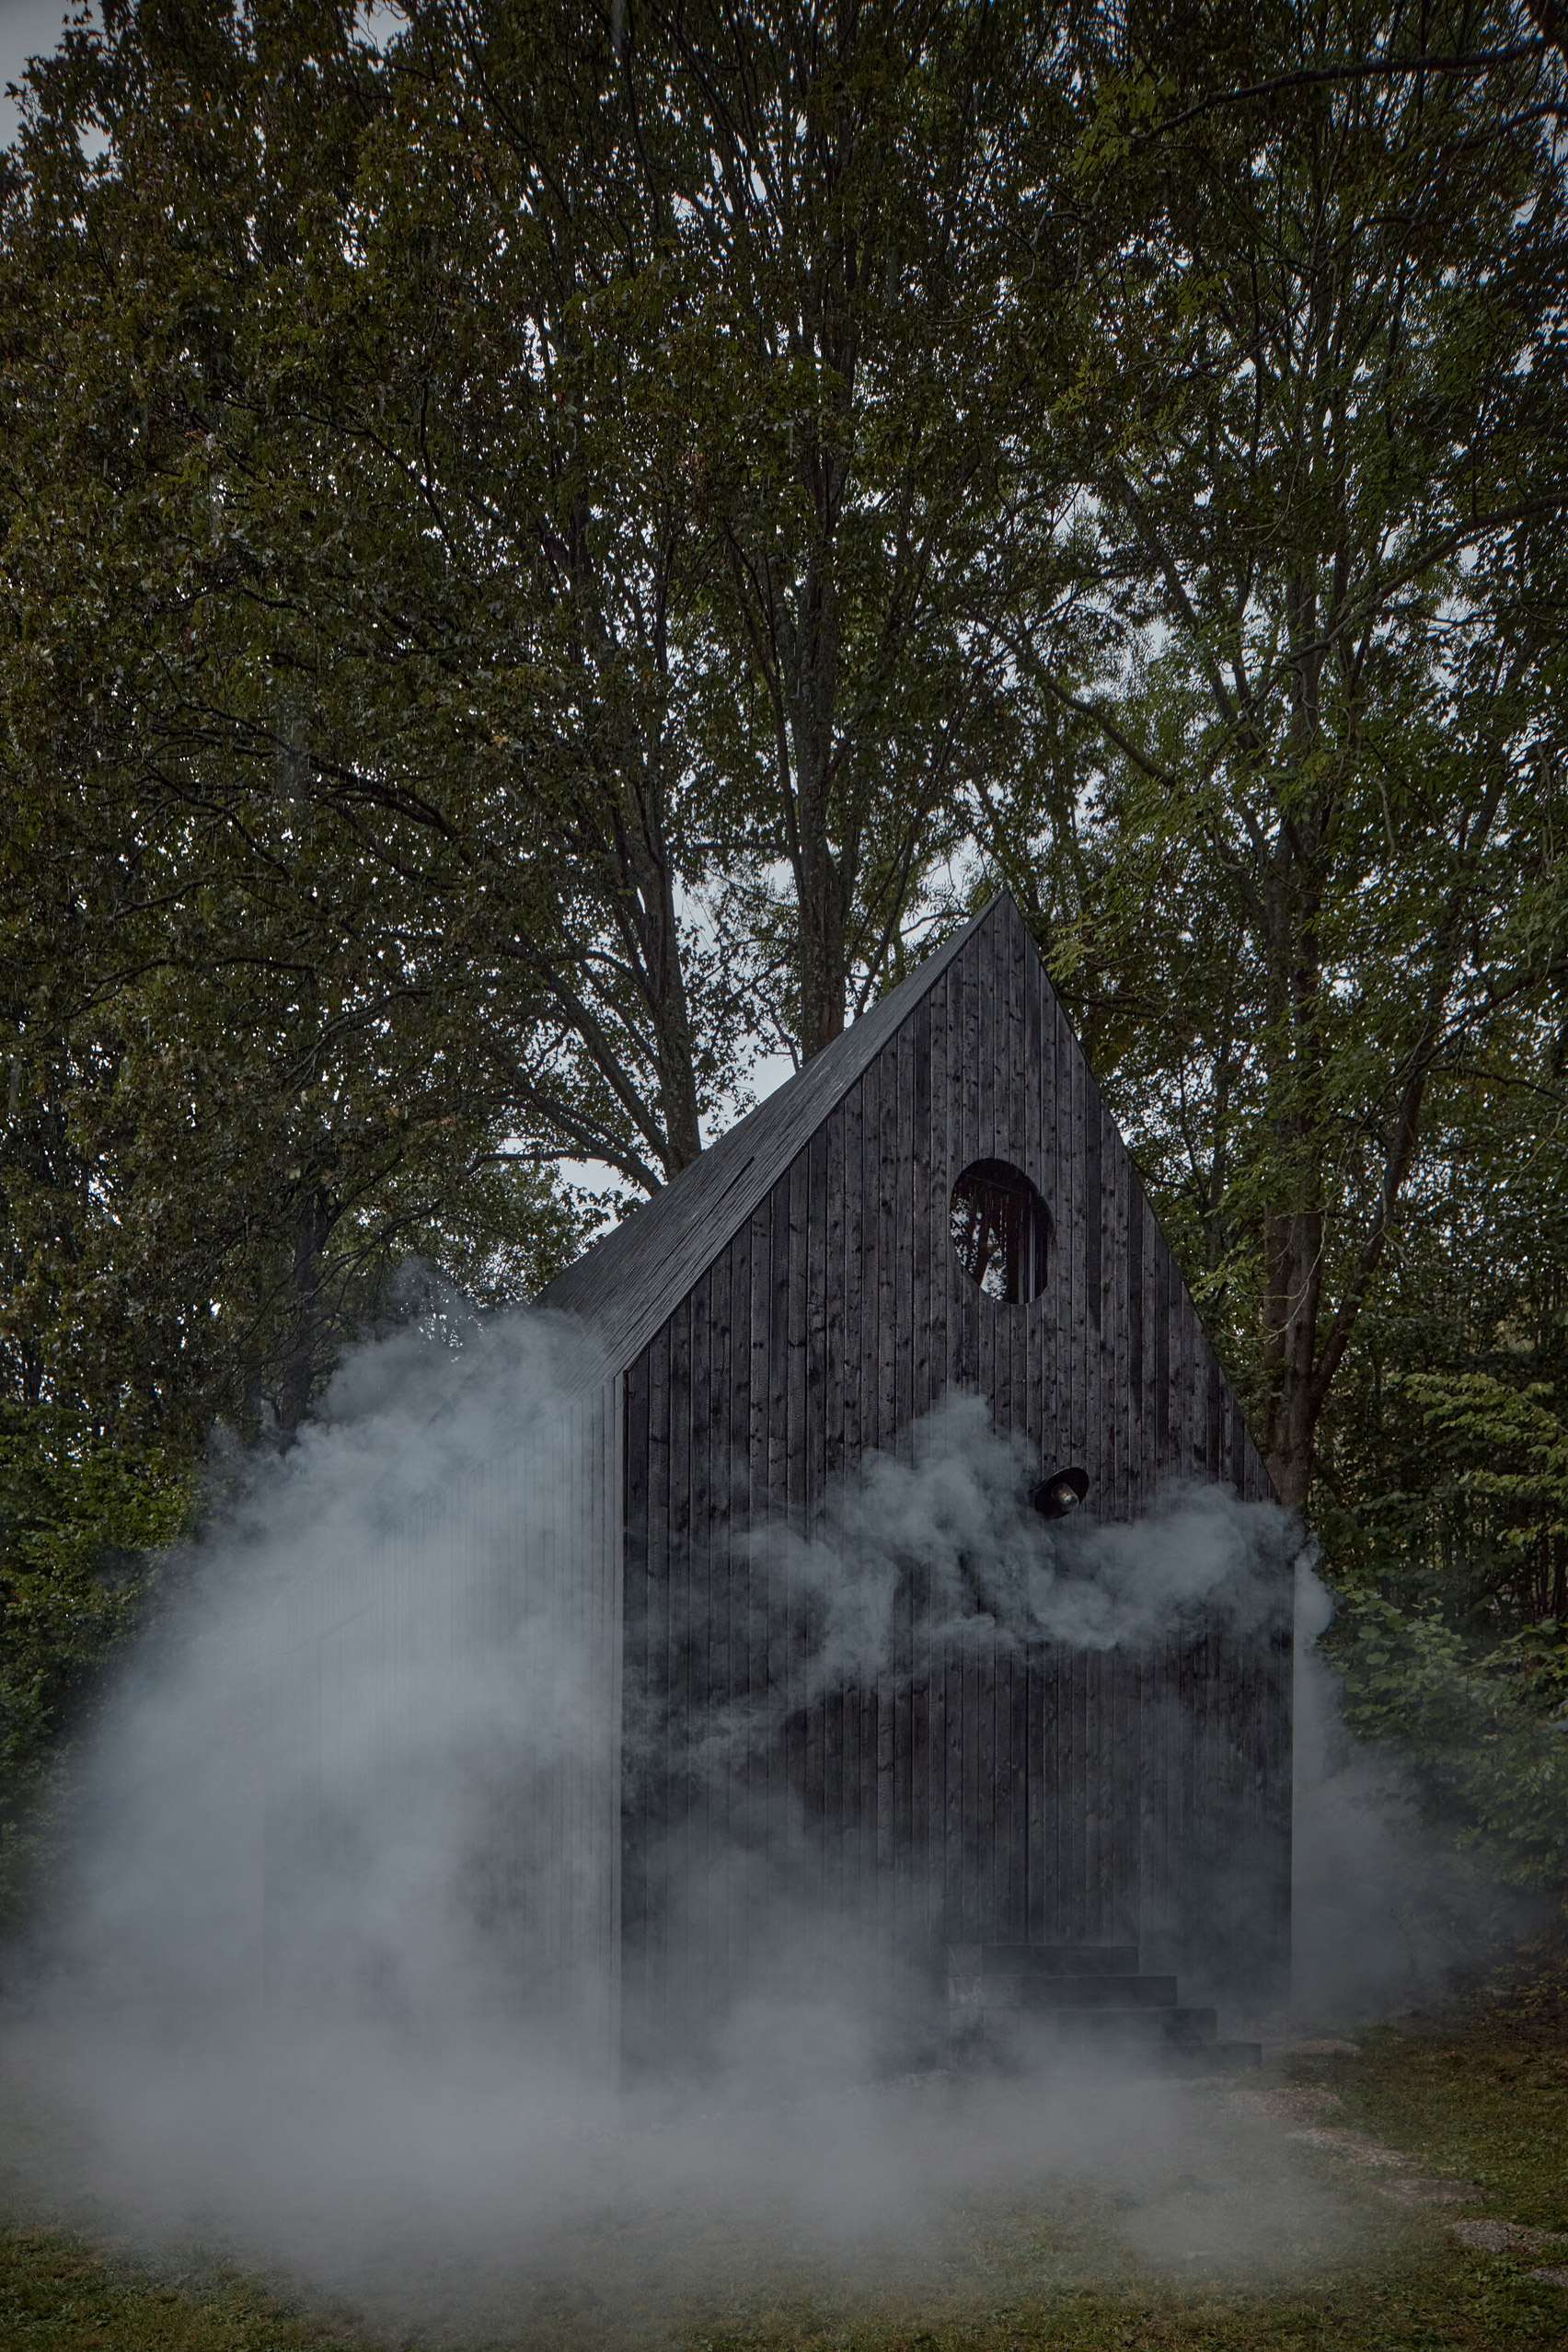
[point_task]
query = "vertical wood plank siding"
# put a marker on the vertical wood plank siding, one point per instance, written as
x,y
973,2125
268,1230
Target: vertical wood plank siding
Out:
x,y
1062,1797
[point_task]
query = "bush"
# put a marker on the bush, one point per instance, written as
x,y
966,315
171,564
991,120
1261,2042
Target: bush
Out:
x,y
1485,1729
80,1519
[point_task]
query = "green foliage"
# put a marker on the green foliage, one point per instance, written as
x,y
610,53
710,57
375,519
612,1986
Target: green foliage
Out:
x,y
79,1519
1486,1730
1443,1492
1296,853
1441,1457
1507,1447
1312,894
1487,1463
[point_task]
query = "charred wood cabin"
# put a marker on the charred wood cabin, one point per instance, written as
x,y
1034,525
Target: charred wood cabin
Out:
x,y
939,1201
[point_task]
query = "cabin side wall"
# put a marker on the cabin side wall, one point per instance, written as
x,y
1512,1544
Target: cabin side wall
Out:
x,y
1065,1797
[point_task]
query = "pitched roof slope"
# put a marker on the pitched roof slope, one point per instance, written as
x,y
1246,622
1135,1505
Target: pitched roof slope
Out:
x,y
626,1284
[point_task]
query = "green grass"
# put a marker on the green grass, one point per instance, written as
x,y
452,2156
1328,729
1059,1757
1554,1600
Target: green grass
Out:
x,y
1478,2091
59,2295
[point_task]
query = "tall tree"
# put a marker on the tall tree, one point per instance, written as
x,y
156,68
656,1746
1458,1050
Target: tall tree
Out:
x,y
1324,431
860,189
344,530
243,1082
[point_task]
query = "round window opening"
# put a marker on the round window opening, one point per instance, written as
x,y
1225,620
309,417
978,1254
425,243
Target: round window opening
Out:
x,y
1000,1229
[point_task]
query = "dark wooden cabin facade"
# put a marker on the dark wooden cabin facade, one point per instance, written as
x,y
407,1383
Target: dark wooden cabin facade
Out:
x,y
792,1302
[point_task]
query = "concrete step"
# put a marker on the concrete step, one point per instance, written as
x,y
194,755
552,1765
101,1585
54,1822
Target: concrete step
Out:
x,y
1008,2001
1185,2029
1042,1959
1070,1992
1005,2039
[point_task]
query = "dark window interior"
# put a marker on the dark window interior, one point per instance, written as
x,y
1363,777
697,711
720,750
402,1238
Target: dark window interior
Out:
x,y
999,1228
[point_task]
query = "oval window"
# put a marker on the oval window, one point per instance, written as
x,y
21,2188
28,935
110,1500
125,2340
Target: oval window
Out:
x,y
1000,1228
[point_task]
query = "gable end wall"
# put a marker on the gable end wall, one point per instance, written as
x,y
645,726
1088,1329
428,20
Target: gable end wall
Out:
x,y
1084,1796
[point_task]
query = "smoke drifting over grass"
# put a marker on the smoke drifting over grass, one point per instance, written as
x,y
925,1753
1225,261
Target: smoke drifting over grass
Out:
x,y
288,2007
1384,1903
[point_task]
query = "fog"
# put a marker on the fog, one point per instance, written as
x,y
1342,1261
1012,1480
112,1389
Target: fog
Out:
x,y
319,1989
1384,1905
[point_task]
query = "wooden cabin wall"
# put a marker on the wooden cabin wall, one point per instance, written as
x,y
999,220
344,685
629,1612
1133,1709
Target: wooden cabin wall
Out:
x,y
1071,1796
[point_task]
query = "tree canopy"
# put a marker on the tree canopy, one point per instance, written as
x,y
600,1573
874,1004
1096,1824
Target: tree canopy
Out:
x,y
548,552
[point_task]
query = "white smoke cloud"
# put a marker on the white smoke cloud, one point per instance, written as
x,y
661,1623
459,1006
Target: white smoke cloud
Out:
x,y
958,1513
299,1999
1384,1904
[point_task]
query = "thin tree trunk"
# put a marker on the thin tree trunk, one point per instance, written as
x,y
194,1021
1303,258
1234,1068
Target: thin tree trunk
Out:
x,y
669,1012
1293,1227
1293,1245
302,1348
811,692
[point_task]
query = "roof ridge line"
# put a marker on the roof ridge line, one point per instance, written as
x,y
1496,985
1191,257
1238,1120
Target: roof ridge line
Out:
x,y
602,1284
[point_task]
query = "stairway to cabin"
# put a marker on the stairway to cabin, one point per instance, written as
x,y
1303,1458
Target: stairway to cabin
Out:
x,y
1006,2000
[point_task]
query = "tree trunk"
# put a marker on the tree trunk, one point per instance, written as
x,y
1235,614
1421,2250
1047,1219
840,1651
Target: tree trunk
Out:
x,y
658,950
1293,1226
1293,1249
811,687
301,1353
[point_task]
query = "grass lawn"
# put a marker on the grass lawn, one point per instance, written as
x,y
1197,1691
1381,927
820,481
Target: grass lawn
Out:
x,y
57,2295
1478,2092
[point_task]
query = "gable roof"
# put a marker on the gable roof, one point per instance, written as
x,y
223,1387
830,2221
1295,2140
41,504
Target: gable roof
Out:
x,y
626,1284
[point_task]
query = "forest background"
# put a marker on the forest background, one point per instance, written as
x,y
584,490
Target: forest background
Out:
x,y
548,552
